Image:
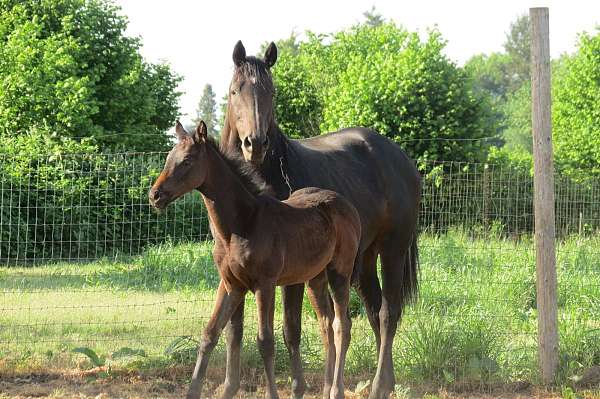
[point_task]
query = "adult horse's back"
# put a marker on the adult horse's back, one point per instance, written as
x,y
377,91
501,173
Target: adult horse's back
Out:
x,y
370,170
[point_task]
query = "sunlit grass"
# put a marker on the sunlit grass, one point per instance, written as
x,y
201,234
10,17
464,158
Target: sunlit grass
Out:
x,y
475,320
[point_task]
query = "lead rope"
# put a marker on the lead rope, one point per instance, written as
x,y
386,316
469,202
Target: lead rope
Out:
x,y
285,176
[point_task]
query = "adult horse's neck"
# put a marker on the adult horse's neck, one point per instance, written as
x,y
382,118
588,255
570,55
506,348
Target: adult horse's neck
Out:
x,y
228,201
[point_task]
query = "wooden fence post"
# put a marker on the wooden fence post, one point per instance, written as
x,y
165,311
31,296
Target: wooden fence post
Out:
x,y
545,251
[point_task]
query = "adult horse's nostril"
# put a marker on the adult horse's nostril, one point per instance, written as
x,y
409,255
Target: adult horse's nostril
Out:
x,y
247,143
156,195
266,142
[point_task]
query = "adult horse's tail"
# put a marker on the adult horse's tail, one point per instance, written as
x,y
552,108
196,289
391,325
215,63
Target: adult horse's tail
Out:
x,y
410,273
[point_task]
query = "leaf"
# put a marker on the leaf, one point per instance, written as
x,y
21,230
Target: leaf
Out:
x,y
94,358
448,376
361,386
128,352
179,344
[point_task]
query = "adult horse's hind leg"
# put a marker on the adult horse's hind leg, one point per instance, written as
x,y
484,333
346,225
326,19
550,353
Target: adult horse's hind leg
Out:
x,y
320,300
225,305
340,291
292,297
235,333
394,250
367,286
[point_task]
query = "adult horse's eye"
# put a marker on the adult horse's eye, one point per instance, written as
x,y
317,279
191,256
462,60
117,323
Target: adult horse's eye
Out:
x,y
234,92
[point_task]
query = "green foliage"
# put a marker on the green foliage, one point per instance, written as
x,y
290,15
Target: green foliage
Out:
x,y
384,78
60,197
297,103
207,110
66,66
518,48
516,110
576,110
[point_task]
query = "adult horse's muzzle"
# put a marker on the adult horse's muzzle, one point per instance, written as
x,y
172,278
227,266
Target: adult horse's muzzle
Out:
x,y
254,149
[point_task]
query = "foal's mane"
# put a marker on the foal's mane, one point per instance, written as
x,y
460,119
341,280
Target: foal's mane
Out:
x,y
246,173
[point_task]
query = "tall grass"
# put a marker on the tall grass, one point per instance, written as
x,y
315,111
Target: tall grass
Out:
x,y
475,320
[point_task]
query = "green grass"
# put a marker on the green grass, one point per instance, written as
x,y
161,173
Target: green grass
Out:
x,y
475,320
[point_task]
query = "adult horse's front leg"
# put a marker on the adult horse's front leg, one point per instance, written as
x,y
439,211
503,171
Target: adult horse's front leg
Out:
x,y
265,300
318,293
292,297
225,305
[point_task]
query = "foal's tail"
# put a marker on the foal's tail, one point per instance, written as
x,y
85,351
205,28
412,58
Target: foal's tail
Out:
x,y
410,273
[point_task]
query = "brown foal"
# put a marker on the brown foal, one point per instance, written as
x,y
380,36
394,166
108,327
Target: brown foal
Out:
x,y
260,243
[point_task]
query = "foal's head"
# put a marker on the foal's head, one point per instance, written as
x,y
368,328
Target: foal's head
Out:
x,y
250,105
185,168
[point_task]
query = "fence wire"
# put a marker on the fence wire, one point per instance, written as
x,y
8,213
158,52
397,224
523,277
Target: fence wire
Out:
x,y
87,263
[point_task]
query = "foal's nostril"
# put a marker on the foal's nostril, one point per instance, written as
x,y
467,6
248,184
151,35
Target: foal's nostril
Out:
x,y
247,143
266,142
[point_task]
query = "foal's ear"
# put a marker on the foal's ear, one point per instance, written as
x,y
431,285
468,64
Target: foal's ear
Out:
x,y
239,54
180,131
271,55
201,133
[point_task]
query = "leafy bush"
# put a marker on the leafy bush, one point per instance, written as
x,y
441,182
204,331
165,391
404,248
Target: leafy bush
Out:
x,y
388,79
62,199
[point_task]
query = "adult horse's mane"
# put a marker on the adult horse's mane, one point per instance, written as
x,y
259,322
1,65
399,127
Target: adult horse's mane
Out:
x,y
253,68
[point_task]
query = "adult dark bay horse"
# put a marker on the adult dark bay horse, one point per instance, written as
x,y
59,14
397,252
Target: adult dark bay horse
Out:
x,y
370,170
261,242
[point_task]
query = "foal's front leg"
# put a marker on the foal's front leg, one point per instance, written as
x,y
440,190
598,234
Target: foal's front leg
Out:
x,y
265,301
234,334
225,305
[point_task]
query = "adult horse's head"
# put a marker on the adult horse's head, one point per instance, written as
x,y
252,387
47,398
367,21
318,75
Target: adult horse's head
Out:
x,y
250,104
185,167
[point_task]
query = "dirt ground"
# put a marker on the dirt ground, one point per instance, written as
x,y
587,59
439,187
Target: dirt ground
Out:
x,y
97,385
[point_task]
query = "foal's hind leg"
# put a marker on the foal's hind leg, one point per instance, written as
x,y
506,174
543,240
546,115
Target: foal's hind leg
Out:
x,y
393,257
292,297
320,300
235,333
225,305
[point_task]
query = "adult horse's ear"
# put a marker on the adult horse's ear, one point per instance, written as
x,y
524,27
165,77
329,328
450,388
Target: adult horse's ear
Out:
x,y
201,133
271,55
180,131
239,54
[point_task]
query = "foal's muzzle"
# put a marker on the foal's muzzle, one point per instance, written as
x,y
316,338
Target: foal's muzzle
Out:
x,y
158,199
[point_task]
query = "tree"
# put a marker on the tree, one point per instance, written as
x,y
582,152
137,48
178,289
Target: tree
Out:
x,y
373,18
207,110
576,109
385,78
518,48
67,67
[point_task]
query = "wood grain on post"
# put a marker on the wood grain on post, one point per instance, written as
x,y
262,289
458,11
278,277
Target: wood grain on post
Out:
x,y
544,194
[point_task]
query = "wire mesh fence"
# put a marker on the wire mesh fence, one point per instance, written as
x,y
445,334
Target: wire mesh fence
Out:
x,y
87,263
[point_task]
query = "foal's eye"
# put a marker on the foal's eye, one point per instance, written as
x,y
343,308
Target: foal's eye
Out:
x,y
234,92
186,162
